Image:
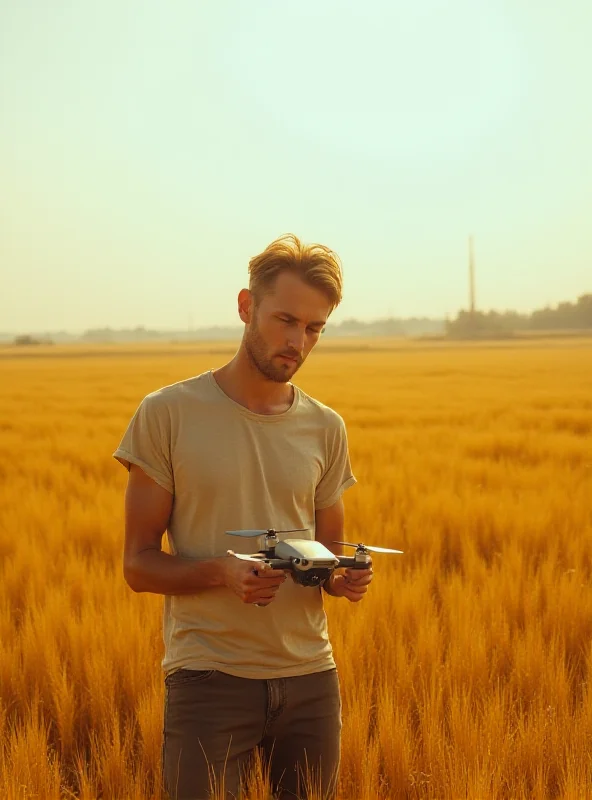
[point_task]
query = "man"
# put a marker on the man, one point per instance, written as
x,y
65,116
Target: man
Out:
x,y
247,658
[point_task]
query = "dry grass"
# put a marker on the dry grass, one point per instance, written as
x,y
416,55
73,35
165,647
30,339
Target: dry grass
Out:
x,y
465,672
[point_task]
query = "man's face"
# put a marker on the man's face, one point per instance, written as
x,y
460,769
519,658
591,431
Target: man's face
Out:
x,y
284,326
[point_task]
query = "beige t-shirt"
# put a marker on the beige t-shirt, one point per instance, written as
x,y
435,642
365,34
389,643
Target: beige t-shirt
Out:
x,y
229,468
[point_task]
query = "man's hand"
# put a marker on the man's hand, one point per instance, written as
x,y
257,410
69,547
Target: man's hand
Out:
x,y
253,583
353,584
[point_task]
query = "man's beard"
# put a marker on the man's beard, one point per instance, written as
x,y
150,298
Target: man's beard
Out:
x,y
257,352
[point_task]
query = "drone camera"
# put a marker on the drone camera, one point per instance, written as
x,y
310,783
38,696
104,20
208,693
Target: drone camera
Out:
x,y
311,577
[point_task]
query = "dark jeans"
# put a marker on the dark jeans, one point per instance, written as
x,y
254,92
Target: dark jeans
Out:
x,y
214,721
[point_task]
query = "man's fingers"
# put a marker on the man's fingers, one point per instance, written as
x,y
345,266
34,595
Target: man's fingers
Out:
x,y
260,599
359,573
259,585
359,577
354,595
358,584
257,591
269,572
356,588
264,570
267,578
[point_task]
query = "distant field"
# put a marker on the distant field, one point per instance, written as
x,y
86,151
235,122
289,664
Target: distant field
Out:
x,y
466,672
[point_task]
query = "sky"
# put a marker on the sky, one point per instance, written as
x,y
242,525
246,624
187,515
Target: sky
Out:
x,y
148,149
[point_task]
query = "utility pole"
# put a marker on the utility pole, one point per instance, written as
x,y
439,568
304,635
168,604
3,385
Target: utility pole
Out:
x,y
471,276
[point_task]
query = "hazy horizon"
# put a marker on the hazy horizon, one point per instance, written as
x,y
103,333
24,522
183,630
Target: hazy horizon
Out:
x,y
333,322
148,151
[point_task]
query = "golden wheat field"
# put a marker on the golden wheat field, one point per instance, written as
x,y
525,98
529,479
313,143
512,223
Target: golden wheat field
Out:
x,y
466,671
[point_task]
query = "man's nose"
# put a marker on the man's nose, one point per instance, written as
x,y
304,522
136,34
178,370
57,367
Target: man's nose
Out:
x,y
296,339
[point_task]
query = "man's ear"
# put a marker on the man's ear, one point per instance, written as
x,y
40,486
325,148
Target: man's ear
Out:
x,y
245,305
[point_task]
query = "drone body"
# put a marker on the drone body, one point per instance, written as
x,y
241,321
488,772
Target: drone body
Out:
x,y
310,562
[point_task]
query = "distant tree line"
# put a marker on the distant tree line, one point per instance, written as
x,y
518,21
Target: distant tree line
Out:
x,y
389,326
414,326
466,325
565,316
26,339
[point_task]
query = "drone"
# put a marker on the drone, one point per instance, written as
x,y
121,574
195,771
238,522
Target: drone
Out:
x,y
309,561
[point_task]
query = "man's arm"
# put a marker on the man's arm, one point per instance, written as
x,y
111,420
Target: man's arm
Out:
x,y
350,583
147,568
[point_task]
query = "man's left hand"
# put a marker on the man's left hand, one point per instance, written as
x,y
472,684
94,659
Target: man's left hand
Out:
x,y
353,584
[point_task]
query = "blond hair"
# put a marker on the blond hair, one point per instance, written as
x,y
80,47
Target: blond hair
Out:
x,y
315,264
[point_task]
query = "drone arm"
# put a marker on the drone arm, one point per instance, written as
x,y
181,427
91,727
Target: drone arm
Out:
x,y
280,563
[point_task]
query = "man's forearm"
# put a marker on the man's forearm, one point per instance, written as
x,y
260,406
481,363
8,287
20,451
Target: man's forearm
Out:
x,y
162,573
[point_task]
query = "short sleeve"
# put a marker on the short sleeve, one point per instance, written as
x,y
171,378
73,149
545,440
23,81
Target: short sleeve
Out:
x,y
338,474
146,442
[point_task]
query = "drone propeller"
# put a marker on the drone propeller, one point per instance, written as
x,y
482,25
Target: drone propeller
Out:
x,y
253,533
243,557
294,530
372,549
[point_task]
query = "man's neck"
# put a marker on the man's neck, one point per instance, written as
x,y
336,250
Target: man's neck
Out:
x,y
242,382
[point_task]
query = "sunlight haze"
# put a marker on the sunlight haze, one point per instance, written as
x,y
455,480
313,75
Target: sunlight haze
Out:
x,y
148,150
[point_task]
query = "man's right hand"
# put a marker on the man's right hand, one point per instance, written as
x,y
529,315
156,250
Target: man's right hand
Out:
x,y
252,583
